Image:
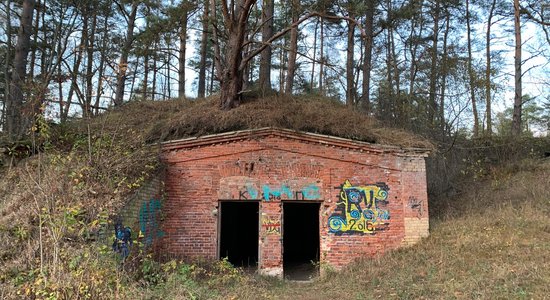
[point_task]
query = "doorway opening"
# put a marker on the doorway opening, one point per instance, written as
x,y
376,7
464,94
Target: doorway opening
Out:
x,y
238,238
300,240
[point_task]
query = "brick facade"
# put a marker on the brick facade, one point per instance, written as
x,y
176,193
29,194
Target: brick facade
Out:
x,y
142,212
372,198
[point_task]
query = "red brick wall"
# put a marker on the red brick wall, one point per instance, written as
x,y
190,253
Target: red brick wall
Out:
x,y
276,168
143,212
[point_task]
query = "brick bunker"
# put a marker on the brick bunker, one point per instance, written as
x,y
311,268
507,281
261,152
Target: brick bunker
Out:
x,y
275,198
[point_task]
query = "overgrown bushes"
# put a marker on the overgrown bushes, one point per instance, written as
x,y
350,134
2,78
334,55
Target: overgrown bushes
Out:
x,y
464,162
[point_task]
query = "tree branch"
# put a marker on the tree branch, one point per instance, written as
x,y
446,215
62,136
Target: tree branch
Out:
x,y
216,40
531,17
287,29
225,11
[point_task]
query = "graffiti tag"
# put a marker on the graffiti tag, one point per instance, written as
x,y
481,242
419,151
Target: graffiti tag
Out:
x,y
271,225
148,220
416,205
360,209
270,193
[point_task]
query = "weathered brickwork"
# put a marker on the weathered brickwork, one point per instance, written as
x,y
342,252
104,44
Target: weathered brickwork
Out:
x,y
143,211
373,198
415,229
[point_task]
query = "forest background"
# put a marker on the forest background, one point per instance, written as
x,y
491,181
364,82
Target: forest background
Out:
x,y
437,67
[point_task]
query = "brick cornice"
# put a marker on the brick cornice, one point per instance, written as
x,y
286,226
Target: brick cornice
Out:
x,y
307,137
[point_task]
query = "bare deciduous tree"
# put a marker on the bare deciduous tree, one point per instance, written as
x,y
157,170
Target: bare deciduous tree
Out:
x,y
14,107
125,51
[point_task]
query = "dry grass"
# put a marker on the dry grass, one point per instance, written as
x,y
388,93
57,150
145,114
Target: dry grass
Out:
x,y
174,119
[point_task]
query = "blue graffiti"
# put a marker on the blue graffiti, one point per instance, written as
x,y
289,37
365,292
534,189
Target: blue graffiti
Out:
x,y
148,220
311,192
336,223
270,193
276,194
123,241
252,192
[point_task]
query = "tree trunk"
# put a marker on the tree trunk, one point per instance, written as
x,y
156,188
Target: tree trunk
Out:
x,y
232,79
350,86
181,57
471,72
367,56
133,84
44,50
283,59
60,91
488,110
249,69
145,73
417,22
389,68
204,43
125,51
433,69
230,68
211,79
167,94
101,68
63,106
87,109
248,74
8,64
392,61
396,72
83,48
322,57
516,118
293,51
74,78
312,86
385,102
60,49
155,70
444,70
265,56
34,47
15,116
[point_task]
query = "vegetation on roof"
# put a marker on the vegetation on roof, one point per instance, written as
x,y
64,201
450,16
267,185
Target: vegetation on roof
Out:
x,y
176,119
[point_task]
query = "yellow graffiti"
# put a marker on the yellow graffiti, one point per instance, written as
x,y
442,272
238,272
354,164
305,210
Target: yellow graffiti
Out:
x,y
359,209
271,225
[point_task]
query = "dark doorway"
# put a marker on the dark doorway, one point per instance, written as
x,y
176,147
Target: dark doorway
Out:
x,y
239,233
300,240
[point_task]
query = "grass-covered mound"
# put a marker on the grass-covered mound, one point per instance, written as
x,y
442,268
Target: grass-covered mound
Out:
x,y
56,204
491,241
167,120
